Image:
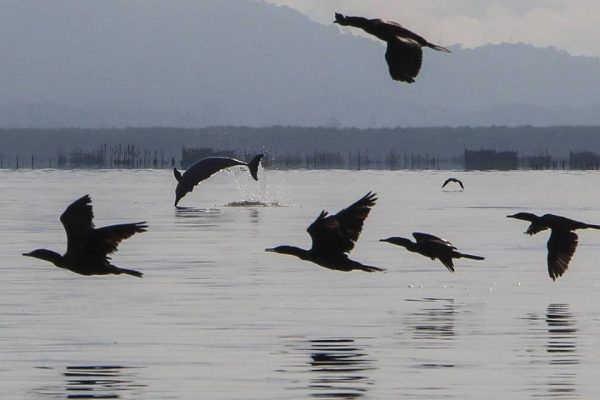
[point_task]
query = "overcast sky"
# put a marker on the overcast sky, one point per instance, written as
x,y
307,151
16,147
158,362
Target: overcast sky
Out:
x,y
573,25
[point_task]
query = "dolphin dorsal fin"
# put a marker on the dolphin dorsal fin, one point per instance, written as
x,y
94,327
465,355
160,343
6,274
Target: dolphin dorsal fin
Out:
x,y
177,174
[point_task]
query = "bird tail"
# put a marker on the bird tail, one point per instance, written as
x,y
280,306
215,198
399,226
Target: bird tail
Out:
x,y
592,226
253,166
438,48
118,271
472,257
368,268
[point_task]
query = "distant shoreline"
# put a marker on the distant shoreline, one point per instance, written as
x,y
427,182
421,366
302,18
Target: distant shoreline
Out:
x,y
293,147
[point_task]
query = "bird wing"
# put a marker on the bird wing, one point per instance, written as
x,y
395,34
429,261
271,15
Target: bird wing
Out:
x,y
535,227
77,221
561,247
404,58
400,31
338,233
453,180
426,237
107,238
446,259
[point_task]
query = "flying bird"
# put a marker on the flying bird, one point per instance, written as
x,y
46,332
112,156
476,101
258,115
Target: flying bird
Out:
x,y
453,180
432,247
404,54
207,167
562,242
88,247
335,235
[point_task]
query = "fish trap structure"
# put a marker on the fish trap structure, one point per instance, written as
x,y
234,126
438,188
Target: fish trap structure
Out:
x,y
491,160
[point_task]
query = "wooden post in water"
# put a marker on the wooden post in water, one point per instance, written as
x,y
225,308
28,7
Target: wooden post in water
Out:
x,y
17,162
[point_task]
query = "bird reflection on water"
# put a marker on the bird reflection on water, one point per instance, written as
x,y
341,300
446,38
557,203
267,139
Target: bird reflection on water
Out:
x,y
557,355
432,326
562,349
338,367
96,382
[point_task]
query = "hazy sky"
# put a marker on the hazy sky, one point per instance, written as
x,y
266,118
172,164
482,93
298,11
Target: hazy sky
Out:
x,y
572,25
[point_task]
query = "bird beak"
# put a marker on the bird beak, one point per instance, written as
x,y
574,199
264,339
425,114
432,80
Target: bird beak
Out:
x,y
384,240
27,254
510,216
270,250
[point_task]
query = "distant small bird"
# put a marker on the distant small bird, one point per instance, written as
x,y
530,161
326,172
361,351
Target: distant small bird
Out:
x,y
562,242
404,54
207,167
453,180
88,247
333,236
432,247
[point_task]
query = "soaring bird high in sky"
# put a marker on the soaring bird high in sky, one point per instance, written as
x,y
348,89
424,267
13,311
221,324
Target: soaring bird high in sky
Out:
x,y
404,54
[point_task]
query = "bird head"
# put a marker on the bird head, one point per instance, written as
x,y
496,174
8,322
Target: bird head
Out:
x,y
399,241
46,255
283,250
340,19
523,216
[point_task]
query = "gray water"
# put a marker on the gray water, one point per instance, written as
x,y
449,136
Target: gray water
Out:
x,y
217,317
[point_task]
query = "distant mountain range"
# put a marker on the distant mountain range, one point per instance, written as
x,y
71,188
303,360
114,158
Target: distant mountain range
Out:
x,y
188,63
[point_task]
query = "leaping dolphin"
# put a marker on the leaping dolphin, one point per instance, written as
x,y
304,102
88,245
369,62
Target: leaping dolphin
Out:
x,y
207,167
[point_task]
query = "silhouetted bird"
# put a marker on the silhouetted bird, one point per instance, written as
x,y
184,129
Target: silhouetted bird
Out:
x,y
88,247
333,236
205,168
453,180
562,242
404,55
432,247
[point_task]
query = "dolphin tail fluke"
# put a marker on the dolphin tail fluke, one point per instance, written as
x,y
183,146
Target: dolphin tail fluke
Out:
x,y
253,166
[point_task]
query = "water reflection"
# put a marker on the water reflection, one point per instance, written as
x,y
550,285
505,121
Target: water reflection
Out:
x,y
200,217
562,349
337,366
193,212
432,326
558,356
95,382
253,203
254,216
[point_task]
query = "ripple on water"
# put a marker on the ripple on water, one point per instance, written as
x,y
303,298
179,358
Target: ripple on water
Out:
x,y
94,382
336,368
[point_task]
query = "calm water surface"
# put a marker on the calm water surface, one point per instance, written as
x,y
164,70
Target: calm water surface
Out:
x,y
217,317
